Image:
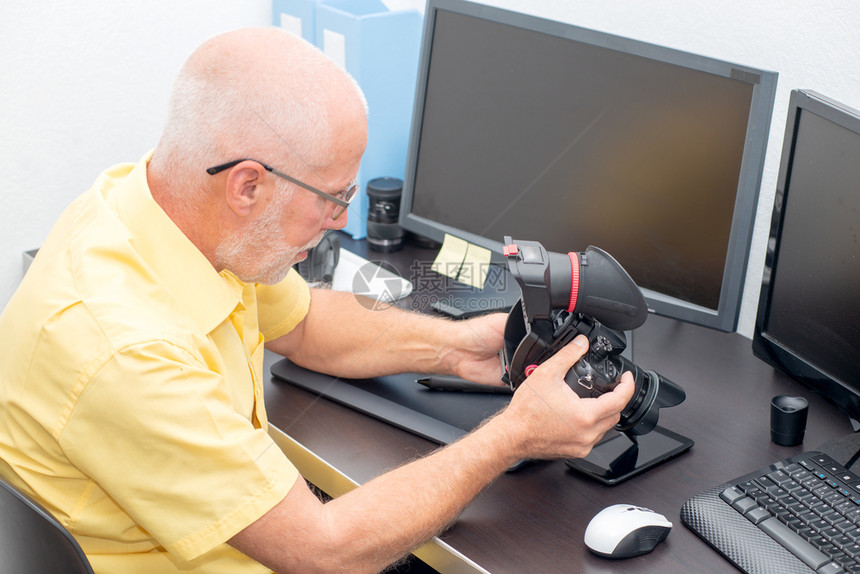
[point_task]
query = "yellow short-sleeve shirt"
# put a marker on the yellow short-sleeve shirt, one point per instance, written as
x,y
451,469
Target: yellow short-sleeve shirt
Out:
x,y
131,398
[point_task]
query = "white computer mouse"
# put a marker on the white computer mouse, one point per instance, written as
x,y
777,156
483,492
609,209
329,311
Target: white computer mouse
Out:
x,y
625,530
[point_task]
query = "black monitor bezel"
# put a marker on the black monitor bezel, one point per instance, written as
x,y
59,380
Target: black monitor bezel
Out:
x,y
725,317
766,347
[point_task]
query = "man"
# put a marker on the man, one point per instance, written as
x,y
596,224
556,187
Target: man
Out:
x,y
131,390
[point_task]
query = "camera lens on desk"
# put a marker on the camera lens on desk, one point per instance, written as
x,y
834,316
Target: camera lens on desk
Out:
x,y
383,196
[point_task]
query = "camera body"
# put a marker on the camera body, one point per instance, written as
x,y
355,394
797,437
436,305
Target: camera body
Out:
x,y
586,293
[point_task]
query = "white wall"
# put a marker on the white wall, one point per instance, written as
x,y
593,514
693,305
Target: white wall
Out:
x,y
84,85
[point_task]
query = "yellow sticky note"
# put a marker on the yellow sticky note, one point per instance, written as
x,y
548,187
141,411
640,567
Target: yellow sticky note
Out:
x,y
475,266
463,261
451,256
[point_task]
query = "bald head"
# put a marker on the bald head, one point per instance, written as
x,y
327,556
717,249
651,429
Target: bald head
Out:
x,y
261,93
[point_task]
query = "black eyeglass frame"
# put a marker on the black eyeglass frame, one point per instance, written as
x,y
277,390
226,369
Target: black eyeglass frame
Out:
x,y
349,194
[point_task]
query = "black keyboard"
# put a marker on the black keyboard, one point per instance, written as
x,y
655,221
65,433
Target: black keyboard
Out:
x,y
798,515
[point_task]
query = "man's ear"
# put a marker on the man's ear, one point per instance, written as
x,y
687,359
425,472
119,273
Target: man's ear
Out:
x,y
245,187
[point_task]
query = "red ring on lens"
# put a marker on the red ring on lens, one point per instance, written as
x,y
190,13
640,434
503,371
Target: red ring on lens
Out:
x,y
574,281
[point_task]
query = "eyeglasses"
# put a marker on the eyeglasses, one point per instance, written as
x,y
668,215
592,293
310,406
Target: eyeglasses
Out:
x,y
342,199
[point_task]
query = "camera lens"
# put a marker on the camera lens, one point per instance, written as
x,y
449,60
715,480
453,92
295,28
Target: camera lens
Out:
x,y
383,232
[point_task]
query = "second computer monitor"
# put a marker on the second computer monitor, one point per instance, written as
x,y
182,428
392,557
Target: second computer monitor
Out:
x,y
808,322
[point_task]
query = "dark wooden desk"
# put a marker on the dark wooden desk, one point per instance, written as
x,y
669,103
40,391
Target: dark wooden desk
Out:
x,y
534,520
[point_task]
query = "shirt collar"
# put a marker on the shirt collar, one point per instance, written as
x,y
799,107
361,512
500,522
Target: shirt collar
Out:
x,y
208,296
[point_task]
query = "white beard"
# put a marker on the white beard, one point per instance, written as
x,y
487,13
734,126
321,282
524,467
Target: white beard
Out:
x,y
260,255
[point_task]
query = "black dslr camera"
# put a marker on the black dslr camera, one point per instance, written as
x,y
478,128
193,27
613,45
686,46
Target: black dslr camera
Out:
x,y
589,293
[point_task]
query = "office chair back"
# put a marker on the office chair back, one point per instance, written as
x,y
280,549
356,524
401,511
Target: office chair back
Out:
x,y
32,541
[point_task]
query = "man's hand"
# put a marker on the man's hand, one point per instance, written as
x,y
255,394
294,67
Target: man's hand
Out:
x,y
552,420
474,353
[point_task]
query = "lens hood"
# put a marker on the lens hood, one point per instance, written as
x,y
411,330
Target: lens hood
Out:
x,y
642,412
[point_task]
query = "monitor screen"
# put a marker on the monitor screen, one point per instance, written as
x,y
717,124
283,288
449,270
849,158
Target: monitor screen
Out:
x,y
549,132
808,321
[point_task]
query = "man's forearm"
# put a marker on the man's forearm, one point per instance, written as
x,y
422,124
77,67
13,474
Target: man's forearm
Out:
x,y
343,337
423,497
386,518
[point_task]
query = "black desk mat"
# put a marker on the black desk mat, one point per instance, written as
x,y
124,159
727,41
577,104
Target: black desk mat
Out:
x,y
440,416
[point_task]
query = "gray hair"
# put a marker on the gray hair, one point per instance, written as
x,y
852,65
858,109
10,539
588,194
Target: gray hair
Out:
x,y
210,123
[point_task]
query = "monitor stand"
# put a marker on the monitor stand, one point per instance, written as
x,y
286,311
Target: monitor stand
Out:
x,y
620,456
845,450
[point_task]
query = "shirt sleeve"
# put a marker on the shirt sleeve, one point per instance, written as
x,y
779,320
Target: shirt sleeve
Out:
x,y
157,431
282,306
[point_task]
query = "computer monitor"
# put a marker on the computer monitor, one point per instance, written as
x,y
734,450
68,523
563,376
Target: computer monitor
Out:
x,y
572,137
808,322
